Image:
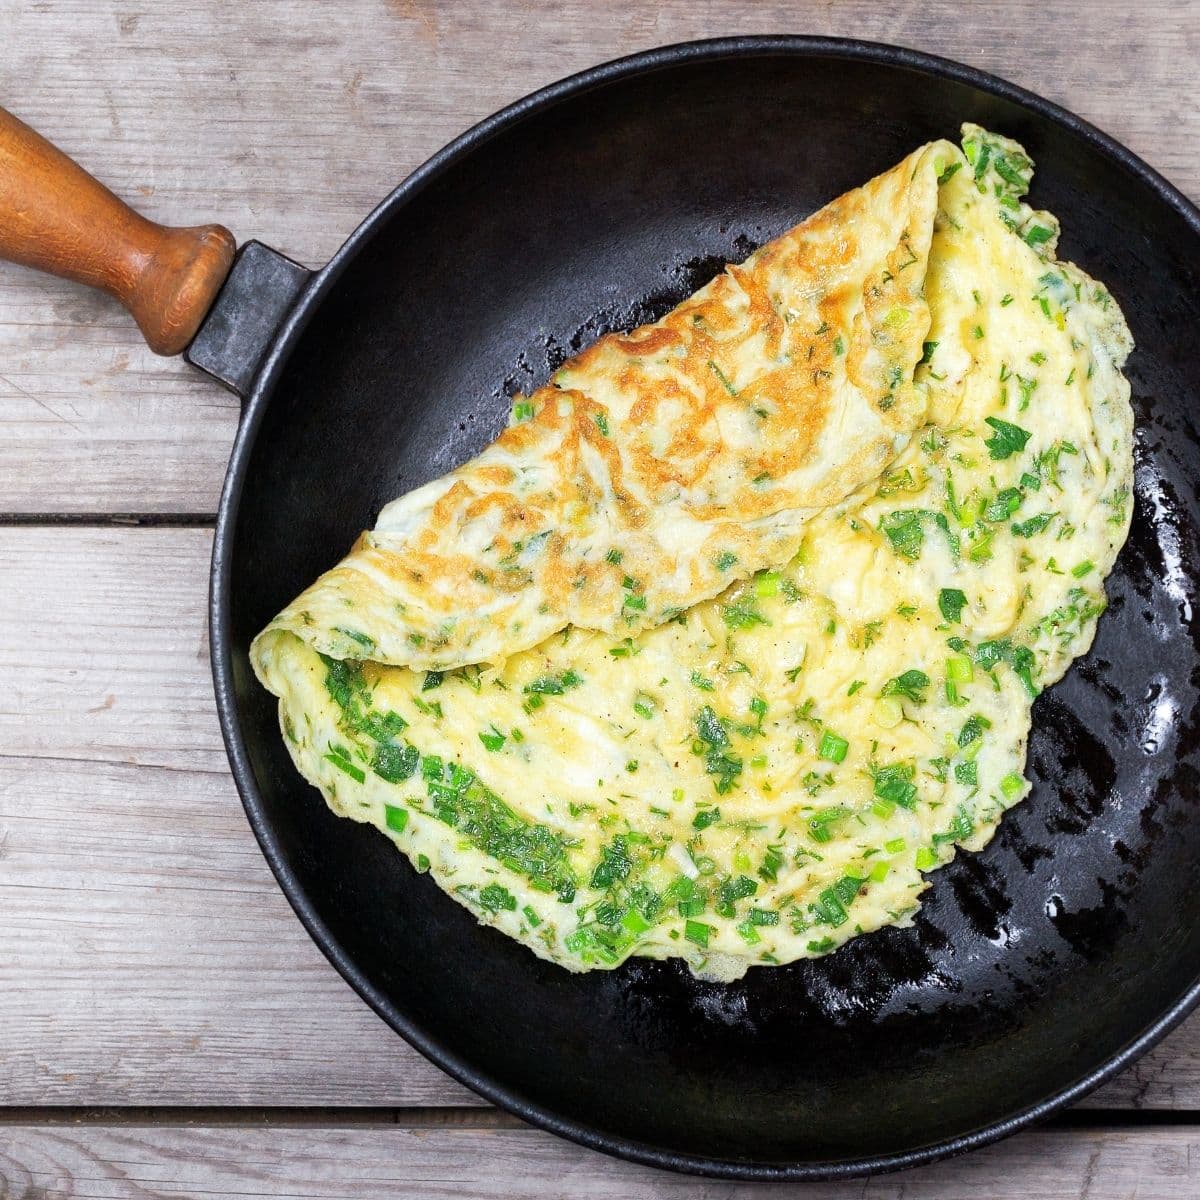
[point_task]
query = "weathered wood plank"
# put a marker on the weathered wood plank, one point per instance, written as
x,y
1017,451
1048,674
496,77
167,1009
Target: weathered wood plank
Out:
x,y
289,121
94,1162
146,956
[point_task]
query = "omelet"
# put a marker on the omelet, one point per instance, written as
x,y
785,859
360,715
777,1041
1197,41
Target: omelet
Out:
x,y
778,768
660,465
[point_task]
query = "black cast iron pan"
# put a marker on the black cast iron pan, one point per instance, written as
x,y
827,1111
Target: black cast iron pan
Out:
x,y
1039,967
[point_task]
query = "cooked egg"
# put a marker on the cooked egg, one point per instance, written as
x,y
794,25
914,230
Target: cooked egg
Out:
x,y
779,768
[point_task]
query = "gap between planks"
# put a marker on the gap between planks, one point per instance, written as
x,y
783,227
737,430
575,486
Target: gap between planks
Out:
x,y
461,1117
180,520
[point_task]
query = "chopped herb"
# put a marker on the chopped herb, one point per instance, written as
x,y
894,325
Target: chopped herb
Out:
x,y
614,556
743,613
1035,235
712,366
772,861
713,743
911,684
396,819
522,411
959,669
602,423
904,532
1082,569
706,817
554,685
1034,525
497,899
818,825
1008,439
894,785
1011,785
725,560
730,891
492,739
394,763
832,747
1005,504
951,602
698,932
344,764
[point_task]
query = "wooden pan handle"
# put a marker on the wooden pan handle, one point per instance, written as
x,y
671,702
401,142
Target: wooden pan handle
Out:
x,y
54,216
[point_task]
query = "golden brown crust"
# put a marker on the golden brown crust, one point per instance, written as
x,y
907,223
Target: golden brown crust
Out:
x,y
661,464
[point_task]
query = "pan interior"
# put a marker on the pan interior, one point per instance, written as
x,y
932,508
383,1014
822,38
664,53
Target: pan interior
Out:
x,y
1034,962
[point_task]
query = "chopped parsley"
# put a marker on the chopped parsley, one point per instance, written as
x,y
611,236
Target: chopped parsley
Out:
x,y
911,684
712,742
1007,440
951,601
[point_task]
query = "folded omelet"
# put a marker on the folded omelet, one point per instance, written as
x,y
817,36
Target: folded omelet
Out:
x,y
660,465
773,769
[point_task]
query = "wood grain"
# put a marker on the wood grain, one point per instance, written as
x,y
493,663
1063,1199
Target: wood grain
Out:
x,y
387,1162
289,121
146,955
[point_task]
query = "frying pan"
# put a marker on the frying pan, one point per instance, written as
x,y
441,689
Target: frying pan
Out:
x,y
1039,967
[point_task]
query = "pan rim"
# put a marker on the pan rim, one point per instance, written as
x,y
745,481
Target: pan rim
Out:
x,y
492,1089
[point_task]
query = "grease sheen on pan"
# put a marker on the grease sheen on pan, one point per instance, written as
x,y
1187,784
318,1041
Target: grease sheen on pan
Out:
x,y
777,769
707,437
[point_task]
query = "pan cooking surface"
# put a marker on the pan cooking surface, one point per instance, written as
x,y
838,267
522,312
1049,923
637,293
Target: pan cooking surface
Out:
x,y
1033,964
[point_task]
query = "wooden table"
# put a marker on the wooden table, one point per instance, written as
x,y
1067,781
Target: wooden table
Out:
x,y
166,1026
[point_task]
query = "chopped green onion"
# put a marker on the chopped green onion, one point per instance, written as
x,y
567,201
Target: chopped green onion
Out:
x,y
634,922
1012,785
712,366
767,583
697,932
959,668
344,764
832,748
395,818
